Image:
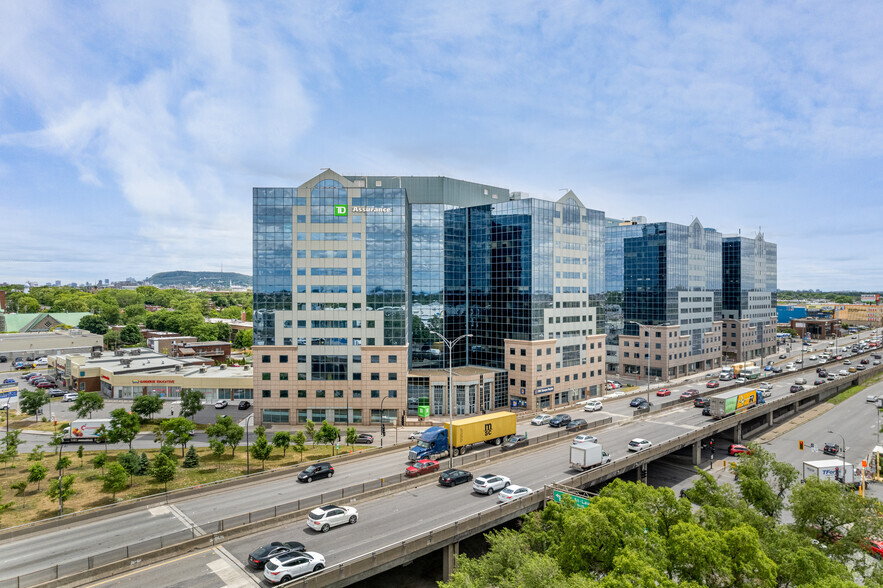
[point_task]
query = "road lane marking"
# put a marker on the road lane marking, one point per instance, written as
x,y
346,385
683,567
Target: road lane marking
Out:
x,y
222,551
185,519
229,575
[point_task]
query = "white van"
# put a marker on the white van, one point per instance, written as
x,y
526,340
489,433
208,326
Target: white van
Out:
x,y
41,361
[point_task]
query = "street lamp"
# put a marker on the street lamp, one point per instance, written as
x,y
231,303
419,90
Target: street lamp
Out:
x,y
842,453
247,452
450,345
382,427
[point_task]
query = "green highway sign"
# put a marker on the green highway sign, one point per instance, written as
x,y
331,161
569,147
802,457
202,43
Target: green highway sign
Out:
x,y
580,501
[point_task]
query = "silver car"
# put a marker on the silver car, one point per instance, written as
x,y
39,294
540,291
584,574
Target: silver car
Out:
x,y
541,419
325,517
490,483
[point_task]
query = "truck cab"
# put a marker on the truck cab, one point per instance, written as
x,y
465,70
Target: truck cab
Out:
x,y
433,442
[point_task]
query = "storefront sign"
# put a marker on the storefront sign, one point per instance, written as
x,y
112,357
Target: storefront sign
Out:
x,y
545,390
153,381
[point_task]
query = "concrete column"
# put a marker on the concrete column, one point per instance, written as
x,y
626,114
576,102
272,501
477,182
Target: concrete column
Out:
x,y
737,433
697,452
449,560
642,473
769,419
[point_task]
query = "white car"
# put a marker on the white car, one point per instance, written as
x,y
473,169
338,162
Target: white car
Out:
x,y
221,404
291,565
490,483
843,373
584,439
740,380
513,492
415,435
812,358
541,419
325,517
639,445
70,397
764,386
593,405
871,398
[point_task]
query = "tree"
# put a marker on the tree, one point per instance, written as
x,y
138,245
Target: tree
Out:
x,y
351,436
124,426
310,431
243,339
63,463
281,440
163,470
115,479
261,450
298,443
93,324
191,460
147,405
80,455
191,402
131,334
11,442
763,481
19,487
227,432
327,433
86,403
176,431
37,453
65,489
27,304
144,464
112,340
99,461
4,506
218,449
37,473
131,463
224,331
32,402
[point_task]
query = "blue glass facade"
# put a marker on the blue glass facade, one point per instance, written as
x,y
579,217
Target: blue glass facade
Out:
x,y
272,235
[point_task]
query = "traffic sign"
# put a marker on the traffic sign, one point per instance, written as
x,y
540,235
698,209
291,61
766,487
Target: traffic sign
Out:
x,y
580,501
800,445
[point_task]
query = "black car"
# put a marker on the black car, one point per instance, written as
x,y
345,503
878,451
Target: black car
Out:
x,y
796,388
365,438
700,402
706,411
559,420
776,369
643,404
244,405
823,374
514,442
316,471
577,425
819,382
831,449
258,558
454,477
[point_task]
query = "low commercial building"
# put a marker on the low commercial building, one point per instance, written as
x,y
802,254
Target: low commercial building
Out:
x,y
869,315
30,346
816,328
215,350
39,322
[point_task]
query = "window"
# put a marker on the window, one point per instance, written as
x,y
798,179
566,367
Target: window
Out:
x,y
265,394
357,375
370,324
283,393
338,393
283,359
392,359
370,339
301,393
392,394
275,415
320,393
375,376
265,375
265,359
301,359
511,351
301,324
283,376
375,358
512,382
375,393
393,376
524,352
301,375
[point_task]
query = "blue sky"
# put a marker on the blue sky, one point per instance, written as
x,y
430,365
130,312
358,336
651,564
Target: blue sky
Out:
x,y
131,133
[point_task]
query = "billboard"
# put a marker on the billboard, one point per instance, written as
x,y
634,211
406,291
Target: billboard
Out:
x,y
873,298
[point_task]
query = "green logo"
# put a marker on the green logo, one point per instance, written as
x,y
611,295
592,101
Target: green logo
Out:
x,y
340,210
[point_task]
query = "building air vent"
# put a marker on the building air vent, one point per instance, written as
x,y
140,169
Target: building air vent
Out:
x,y
136,352
202,369
177,368
223,366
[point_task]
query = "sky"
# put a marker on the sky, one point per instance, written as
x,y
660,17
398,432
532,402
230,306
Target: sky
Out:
x,y
132,133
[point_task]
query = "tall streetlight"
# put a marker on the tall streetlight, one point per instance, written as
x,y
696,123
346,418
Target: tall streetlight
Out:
x,y
842,454
382,427
450,344
248,420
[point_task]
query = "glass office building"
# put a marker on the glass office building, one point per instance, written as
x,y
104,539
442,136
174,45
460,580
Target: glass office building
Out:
x,y
355,277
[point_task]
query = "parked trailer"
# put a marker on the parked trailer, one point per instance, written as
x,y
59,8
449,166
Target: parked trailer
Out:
x,y
733,402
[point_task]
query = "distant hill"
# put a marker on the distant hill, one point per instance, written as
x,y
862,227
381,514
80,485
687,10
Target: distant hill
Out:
x,y
200,279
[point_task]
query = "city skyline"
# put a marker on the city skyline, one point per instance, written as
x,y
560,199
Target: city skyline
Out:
x,y
132,135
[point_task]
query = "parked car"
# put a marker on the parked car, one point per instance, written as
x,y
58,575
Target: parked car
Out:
x,y
738,449
45,384
514,442
291,565
221,404
423,466
559,420
454,477
663,392
258,558
325,517
713,384
70,397
831,449
584,438
9,381
639,445
593,405
701,402
365,438
323,469
490,483
796,388
513,492
691,393
56,393
541,419
577,425
244,405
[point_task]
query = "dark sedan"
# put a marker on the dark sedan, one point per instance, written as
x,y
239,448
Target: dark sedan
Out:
x,y
643,404
454,477
577,425
514,442
244,405
796,388
700,402
316,471
258,558
706,411
560,420
831,449
636,401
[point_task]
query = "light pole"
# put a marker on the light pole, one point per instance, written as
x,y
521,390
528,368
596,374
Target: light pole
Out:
x,y
842,454
382,427
247,452
450,345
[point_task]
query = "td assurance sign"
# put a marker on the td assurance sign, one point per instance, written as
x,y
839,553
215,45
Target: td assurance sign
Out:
x,y
343,210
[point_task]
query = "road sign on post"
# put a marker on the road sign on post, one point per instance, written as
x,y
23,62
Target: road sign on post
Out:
x,y
580,501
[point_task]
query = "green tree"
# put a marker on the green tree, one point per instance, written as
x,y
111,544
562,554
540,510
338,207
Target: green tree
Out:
x,y
32,402
4,506
131,334
218,449
351,436
63,463
99,461
224,332
93,324
261,449
66,488
147,405
227,432
763,481
37,453
80,455
112,340
135,313
281,440
243,339
12,441
86,403
27,304
115,479
131,463
176,431
19,487
310,431
144,464
327,433
191,402
109,313
164,468
37,473
124,426
191,460
299,443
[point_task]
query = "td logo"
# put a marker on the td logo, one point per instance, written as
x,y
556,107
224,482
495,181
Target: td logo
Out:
x,y
340,210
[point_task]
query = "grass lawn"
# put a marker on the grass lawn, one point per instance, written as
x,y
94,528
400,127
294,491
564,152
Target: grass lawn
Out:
x,y
852,391
34,504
